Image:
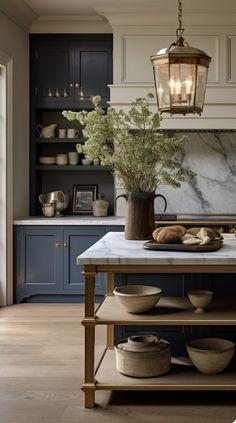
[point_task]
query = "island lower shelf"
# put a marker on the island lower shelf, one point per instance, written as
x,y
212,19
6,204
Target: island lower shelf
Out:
x,y
183,376
170,311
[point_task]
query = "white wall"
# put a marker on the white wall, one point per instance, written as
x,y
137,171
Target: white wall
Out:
x,y
14,42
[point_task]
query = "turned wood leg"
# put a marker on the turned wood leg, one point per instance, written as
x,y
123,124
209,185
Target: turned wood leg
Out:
x,y
89,386
110,328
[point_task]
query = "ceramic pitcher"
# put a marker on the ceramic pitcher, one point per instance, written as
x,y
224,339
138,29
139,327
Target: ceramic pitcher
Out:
x,y
139,214
46,131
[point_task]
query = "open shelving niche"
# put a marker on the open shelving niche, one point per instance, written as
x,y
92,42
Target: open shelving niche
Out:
x,y
172,311
47,178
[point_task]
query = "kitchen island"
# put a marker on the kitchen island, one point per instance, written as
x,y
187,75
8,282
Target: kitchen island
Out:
x,y
113,254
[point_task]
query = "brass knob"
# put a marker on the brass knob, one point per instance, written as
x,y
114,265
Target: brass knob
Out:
x,y
57,244
76,85
66,244
71,85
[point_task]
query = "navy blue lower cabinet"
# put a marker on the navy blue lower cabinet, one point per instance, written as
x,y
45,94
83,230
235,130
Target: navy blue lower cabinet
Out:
x,y
39,256
75,242
45,263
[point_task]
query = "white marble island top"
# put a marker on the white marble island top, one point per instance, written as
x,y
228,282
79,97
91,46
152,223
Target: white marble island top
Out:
x,y
113,248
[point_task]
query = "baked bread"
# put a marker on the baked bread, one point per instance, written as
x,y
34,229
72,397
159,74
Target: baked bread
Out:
x,y
169,234
211,233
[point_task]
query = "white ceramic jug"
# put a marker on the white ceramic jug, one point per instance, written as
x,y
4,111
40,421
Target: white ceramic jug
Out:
x,y
46,131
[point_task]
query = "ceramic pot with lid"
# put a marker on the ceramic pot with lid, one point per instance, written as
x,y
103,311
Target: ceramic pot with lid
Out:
x,y
100,206
143,356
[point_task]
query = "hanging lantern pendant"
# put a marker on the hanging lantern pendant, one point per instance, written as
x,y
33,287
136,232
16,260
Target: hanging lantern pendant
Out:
x,y
180,75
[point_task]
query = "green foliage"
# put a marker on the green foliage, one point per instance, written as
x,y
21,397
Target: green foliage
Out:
x,y
142,157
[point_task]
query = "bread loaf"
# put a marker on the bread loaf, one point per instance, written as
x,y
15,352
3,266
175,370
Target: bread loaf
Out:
x,y
211,233
169,234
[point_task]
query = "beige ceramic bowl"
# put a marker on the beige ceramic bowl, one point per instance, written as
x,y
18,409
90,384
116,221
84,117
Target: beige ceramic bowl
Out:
x,y
200,299
137,298
47,160
210,355
86,162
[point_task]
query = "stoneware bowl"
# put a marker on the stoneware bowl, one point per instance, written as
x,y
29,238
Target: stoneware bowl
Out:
x,y
210,355
86,162
200,299
137,298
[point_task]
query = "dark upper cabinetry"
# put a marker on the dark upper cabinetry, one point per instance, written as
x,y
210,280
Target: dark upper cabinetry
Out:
x,y
66,70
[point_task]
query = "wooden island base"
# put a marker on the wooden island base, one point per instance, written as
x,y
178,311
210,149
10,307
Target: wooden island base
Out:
x,y
182,376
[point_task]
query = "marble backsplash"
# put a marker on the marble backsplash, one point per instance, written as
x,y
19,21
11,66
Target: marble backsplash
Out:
x,y
212,156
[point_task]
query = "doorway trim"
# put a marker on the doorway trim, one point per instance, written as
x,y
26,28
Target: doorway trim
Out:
x,y
6,287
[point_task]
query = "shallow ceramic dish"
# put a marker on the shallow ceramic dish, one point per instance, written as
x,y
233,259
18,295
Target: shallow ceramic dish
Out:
x,y
137,298
210,355
86,162
200,298
47,160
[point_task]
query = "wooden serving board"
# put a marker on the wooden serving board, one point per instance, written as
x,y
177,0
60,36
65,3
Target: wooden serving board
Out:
x,y
213,246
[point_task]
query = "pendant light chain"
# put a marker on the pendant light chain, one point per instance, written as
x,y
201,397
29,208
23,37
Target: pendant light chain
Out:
x,y
180,30
180,15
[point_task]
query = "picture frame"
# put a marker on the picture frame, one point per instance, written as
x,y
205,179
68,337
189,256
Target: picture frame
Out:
x,y
83,195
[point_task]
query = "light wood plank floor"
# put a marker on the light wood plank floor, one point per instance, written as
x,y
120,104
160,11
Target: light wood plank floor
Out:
x,y
41,371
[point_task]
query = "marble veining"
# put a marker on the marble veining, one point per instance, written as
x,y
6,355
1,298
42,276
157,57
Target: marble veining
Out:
x,y
113,248
212,156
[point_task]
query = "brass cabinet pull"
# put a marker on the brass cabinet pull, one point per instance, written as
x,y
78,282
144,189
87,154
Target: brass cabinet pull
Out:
x,y
76,85
71,85
66,244
81,93
57,244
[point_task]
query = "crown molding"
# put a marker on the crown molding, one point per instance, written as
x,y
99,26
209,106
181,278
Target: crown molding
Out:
x,y
18,12
154,18
70,25
62,18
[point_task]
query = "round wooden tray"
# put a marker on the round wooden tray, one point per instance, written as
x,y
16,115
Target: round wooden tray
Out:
x,y
213,246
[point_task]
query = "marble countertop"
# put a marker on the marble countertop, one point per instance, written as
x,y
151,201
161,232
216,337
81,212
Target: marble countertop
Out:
x,y
113,248
71,220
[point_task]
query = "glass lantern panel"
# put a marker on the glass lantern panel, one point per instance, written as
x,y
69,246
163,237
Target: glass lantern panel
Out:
x,y
182,84
201,85
162,85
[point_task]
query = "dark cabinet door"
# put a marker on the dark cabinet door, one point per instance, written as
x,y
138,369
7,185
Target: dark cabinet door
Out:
x,y
93,73
39,261
53,75
76,241
67,70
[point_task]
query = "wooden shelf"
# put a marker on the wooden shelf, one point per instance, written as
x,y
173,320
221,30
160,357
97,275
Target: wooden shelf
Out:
x,y
170,311
183,376
59,140
69,168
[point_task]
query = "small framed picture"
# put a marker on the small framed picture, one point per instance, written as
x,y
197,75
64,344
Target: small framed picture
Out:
x,y
83,195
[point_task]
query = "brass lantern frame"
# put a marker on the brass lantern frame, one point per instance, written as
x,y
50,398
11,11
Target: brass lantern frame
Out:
x,y
180,52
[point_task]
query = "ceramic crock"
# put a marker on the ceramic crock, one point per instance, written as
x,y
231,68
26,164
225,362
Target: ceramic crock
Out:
x,y
100,206
143,356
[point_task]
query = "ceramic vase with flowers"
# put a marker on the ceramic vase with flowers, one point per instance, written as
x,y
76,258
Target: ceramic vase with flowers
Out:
x,y
142,157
